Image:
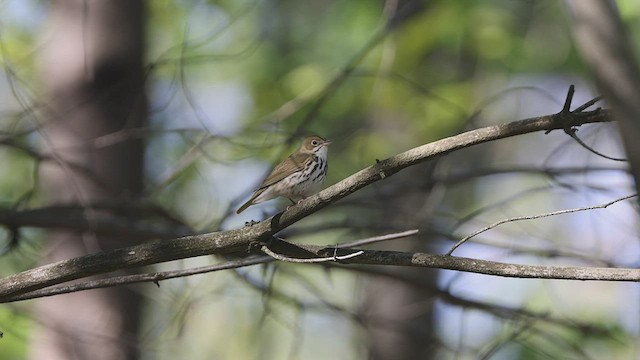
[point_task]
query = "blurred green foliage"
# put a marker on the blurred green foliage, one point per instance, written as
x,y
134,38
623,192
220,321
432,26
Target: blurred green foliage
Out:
x,y
15,324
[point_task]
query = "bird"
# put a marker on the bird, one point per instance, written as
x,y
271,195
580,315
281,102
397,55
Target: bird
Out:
x,y
297,177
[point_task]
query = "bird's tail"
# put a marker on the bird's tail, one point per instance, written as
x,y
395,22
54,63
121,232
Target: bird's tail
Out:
x,y
245,206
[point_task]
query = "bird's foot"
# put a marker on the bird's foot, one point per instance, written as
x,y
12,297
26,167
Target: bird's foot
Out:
x,y
293,203
250,223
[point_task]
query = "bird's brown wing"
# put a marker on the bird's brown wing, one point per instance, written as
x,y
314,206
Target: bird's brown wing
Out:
x,y
289,166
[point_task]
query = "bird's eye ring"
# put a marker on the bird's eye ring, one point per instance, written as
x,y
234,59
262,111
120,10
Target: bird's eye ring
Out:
x,y
314,142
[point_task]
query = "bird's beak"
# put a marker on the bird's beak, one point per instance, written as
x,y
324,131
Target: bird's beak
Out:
x,y
327,142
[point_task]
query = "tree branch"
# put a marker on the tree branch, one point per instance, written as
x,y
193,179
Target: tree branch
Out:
x,y
364,257
538,216
448,262
239,240
313,260
136,223
155,278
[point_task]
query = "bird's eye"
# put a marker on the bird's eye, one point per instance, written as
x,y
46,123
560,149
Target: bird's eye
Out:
x,y
314,142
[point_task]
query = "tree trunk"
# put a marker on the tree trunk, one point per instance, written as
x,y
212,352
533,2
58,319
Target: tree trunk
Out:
x,y
398,315
92,66
605,46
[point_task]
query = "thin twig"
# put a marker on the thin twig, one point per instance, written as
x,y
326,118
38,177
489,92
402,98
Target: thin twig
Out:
x,y
587,104
575,137
280,257
532,217
376,239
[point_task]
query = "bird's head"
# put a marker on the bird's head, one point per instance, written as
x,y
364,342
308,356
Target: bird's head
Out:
x,y
315,145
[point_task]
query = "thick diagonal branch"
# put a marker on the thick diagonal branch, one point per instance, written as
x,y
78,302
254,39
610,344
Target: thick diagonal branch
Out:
x,y
239,240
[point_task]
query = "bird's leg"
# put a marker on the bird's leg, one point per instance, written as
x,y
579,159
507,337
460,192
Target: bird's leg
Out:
x,y
293,202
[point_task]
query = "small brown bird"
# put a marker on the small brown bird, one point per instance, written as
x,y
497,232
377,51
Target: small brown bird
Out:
x,y
298,176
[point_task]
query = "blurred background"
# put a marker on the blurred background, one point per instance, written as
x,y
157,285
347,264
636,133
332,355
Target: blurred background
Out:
x,y
126,121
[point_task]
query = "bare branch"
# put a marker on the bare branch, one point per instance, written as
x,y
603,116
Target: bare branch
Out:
x,y
377,239
238,240
532,217
281,257
371,257
365,257
508,312
448,262
566,113
140,278
136,224
575,137
156,277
